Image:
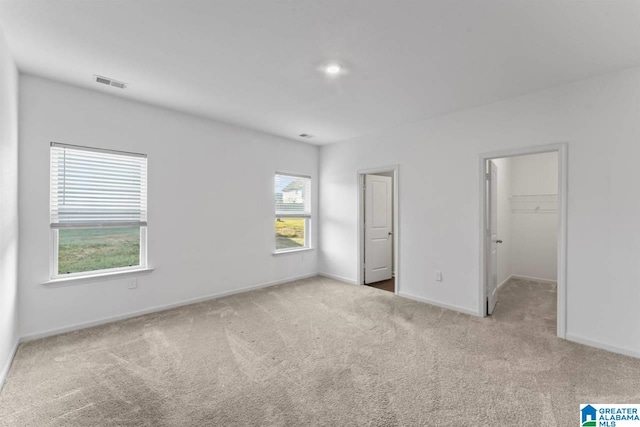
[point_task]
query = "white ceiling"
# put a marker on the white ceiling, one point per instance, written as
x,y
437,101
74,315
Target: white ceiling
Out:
x,y
255,62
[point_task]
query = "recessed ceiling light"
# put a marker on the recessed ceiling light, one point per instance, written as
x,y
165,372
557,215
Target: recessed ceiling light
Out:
x,y
333,69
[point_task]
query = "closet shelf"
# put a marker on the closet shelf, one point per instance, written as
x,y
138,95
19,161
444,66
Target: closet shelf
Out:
x,y
534,203
533,196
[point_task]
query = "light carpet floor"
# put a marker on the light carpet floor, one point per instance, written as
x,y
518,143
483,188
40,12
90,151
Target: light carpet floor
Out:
x,y
318,352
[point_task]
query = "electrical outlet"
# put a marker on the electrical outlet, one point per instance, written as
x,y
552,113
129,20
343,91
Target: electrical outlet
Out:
x,y
438,276
132,283
302,255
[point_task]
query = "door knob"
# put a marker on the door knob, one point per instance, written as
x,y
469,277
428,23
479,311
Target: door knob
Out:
x,y
390,233
498,241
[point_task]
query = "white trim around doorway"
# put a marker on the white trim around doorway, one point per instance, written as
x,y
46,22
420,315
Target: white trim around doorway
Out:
x,y
561,149
396,229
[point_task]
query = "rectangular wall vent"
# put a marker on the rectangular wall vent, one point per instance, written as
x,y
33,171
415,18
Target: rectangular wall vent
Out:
x,y
110,82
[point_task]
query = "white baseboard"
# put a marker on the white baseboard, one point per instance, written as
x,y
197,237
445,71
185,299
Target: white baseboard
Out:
x,y
111,319
504,282
535,279
440,304
7,365
614,349
342,279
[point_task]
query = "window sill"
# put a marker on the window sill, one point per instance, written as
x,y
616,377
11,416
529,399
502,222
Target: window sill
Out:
x,y
65,281
291,251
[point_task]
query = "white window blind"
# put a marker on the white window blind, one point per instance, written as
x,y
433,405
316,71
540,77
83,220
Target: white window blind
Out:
x,y
96,188
293,196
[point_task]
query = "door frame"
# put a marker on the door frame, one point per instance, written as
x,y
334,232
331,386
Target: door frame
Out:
x,y
360,228
562,150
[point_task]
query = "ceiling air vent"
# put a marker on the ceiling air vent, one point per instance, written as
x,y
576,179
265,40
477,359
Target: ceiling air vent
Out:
x,y
110,82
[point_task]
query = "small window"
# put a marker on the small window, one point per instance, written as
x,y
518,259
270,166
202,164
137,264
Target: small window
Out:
x,y
293,212
98,210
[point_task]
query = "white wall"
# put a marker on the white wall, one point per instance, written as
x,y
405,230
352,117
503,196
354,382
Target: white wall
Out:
x,y
504,219
534,250
439,199
211,218
8,208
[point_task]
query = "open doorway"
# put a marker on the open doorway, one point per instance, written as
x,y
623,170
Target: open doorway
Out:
x,y
523,235
377,228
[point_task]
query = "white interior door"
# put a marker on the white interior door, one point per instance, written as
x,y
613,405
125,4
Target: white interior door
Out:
x,y
378,228
492,238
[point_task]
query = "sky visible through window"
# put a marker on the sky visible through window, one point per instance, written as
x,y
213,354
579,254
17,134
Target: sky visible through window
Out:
x,y
283,181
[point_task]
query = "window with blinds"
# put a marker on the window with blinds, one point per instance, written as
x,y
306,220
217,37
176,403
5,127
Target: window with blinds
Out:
x,y
292,212
98,209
